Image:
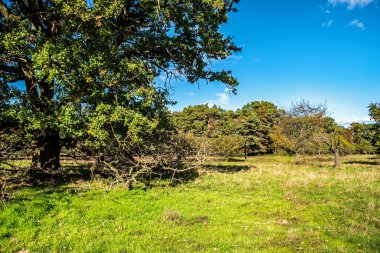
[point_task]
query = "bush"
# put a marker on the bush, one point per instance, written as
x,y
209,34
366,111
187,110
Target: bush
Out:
x,y
228,146
364,147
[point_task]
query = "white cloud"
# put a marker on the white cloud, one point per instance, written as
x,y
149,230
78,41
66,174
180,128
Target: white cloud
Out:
x,y
351,4
328,23
229,61
191,94
235,57
348,122
222,99
357,24
324,9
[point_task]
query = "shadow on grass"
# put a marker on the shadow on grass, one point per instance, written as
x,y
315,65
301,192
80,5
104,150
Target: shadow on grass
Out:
x,y
66,175
182,175
58,183
87,172
364,162
226,168
235,159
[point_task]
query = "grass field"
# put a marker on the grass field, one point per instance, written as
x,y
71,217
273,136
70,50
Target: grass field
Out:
x,y
266,204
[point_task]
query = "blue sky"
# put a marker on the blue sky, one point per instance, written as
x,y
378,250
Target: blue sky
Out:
x,y
319,50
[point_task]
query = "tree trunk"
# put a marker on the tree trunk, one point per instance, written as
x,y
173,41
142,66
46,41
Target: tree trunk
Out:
x,y
245,151
50,150
336,158
34,157
100,158
297,157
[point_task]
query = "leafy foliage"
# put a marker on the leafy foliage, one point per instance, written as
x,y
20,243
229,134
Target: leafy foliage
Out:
x,y
250,126
299,126
86,71
374,112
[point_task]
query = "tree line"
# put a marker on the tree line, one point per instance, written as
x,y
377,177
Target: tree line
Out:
x,y
261,127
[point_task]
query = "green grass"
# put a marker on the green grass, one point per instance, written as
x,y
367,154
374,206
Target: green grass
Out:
x,y
266,204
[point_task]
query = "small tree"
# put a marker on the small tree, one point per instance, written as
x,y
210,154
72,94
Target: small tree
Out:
x,y
333,136
251,129
256,121
299,126
228,146
364,147
364,136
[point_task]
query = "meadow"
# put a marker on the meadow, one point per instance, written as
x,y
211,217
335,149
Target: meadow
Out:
x,y
264,204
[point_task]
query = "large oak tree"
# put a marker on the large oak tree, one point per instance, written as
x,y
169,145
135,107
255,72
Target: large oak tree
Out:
x,y
61,61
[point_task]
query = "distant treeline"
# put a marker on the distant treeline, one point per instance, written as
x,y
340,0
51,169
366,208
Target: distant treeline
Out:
x,y
261,127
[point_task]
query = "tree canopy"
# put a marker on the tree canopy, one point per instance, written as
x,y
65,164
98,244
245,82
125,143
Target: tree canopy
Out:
x,y
67,67
374,111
